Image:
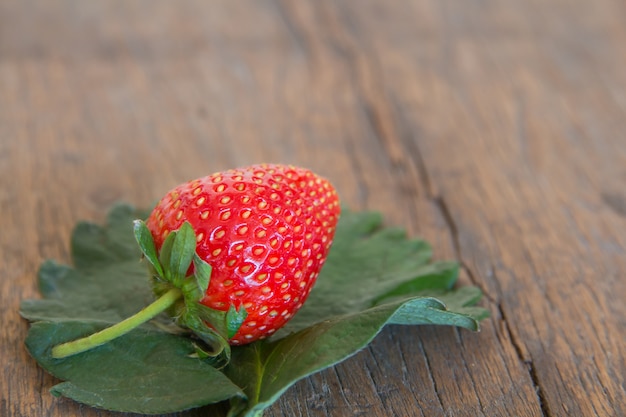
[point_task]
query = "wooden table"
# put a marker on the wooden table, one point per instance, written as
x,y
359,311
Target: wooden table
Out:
x,y
494,129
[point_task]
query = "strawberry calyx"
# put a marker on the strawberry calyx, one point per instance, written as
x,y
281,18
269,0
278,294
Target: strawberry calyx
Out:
x,y
171,269
180,280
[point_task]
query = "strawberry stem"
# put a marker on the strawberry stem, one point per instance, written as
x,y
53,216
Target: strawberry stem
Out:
x,y
106,335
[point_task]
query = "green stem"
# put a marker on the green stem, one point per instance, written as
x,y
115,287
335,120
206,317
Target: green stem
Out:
x,y
89,342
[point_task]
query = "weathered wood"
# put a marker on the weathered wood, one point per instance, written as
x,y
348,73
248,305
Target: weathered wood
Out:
x,y
493,129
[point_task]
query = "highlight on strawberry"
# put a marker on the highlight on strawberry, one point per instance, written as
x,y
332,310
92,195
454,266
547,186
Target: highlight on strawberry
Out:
x,y
232,256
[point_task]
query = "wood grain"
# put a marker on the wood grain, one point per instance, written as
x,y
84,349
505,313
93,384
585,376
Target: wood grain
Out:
x,y
495,129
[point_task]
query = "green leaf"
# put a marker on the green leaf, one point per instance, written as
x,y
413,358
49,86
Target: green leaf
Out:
x,y
146,371
146,244
430,277
366,264
267,369
53,278
373,276
90,293
93,245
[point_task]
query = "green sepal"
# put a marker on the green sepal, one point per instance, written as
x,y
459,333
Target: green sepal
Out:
x,y
146,244
191,291
182,253
226,323
218,362
217,318
217,347
202,273
165,254
234,320
200,353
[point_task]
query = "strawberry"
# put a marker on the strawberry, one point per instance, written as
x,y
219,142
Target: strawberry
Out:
x,y
233,256
265,230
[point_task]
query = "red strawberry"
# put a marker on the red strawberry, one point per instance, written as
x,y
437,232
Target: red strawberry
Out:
x,y
264,229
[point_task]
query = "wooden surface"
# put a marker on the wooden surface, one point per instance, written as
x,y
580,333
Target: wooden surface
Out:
x,y
495,129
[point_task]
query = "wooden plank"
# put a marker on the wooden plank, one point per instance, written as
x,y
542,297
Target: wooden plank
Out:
x,y
525,162
494,131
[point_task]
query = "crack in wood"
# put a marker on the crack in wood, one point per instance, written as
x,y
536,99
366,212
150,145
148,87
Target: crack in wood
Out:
x,y
431,375
381,395
405,372
616,202
441,204
459,339
376,106
414,149
528,362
